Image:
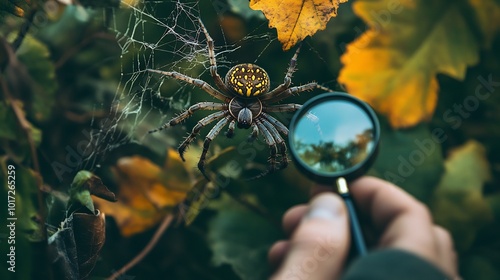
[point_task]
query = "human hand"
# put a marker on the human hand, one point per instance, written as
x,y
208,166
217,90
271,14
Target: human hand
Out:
x,y
320,237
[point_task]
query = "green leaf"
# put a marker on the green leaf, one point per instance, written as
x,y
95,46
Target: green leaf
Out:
x,y
79,193
410,158
84,185
35,56
459,204
241,238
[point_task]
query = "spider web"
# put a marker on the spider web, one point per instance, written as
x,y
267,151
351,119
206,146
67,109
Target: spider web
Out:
x,y
162,35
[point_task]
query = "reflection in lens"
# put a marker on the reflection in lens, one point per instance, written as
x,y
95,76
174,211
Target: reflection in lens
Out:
x,y
333,136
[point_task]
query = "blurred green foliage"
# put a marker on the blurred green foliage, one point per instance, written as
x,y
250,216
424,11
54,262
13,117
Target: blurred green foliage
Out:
x,y
76,78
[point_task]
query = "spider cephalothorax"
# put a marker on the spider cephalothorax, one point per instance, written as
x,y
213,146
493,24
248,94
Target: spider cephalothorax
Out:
x,y
246,100
244,111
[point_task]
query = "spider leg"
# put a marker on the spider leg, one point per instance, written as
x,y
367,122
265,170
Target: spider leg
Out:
x,y
279,142
186,114
295,90
277,124
230,130
213,62
282,108
288,78
271,143
196,82
196,129
254,134
206,144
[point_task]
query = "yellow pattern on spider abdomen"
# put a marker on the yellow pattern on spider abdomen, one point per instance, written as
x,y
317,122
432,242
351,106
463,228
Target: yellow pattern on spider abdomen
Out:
x,y
247,80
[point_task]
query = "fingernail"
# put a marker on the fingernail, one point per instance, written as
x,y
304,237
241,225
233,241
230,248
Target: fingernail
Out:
x,y
325,206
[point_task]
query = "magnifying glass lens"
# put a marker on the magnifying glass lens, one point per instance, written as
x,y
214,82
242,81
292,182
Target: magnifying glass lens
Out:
x,y
333,136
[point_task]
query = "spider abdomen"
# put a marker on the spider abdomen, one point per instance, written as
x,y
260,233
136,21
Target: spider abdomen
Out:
x,y
247,80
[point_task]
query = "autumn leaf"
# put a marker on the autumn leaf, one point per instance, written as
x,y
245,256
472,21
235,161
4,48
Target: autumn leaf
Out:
x,y
294,20
146,192
77,244
393,65
459,203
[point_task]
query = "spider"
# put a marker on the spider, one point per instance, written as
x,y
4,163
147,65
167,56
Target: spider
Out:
x,y
246,103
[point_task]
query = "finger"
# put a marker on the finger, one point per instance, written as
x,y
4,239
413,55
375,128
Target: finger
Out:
x,y
319,245
382,200
277,252
446,251
406,223
292,218
443,238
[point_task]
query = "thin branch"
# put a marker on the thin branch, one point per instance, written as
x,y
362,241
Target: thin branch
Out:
x,y
152,243
26,126
23,31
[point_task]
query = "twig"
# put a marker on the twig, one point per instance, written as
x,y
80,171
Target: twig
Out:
x,y
26,126
23,31
156,237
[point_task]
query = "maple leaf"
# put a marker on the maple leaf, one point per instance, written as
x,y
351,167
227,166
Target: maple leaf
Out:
x,y
294,20
393,65
146,192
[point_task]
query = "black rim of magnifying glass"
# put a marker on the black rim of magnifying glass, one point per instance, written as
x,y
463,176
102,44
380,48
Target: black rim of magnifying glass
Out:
x,y
352,172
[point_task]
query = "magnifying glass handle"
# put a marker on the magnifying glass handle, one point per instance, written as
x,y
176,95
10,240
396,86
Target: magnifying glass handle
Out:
x,y
357,234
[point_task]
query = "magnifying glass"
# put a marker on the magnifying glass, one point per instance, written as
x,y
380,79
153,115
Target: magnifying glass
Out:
x,y
334,139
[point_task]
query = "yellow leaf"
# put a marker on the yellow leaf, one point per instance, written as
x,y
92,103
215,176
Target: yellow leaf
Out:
x,y
146,192
393,65
296,19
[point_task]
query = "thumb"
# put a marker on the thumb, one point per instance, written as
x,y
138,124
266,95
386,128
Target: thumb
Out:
x,y
319,245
